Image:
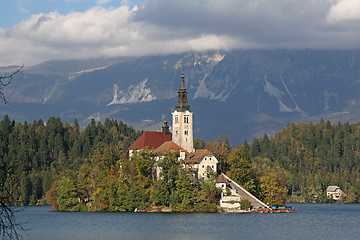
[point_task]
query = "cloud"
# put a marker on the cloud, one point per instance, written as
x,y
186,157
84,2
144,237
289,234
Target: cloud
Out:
x,y
344,11
23,10
164,27
101,2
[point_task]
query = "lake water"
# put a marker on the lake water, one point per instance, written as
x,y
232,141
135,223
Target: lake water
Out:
x,y
312,221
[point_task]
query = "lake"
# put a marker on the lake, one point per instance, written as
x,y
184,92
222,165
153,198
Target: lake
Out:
x,y
312,221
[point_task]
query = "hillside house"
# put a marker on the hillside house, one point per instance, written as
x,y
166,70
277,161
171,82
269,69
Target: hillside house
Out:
x,y
221,182
201,162
334,192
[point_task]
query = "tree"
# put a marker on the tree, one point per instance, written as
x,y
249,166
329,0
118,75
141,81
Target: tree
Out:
x,y
69,194
221,149
255,147
168,177
272,187
8,226
199,143
241,169
207,197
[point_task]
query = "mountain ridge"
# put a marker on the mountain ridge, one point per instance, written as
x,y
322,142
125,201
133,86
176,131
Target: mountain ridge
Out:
x,y
241,94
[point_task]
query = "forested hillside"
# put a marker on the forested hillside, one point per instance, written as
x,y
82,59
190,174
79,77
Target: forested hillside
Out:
x,y
87,169
311,157
33,156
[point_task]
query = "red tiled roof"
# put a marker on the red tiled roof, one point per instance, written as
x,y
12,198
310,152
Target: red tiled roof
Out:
x,y
150,140
196,156
168,146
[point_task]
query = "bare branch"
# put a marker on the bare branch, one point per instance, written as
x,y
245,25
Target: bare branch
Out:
x,y
8,226
6,80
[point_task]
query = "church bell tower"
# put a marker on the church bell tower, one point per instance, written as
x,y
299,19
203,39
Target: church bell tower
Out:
x,y
182,120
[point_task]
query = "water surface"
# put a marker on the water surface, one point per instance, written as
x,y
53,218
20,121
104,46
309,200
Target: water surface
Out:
x,y
312,221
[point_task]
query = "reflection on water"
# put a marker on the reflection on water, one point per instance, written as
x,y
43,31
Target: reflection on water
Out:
x,y
312,221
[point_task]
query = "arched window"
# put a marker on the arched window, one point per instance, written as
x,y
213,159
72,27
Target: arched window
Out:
x,y
186,119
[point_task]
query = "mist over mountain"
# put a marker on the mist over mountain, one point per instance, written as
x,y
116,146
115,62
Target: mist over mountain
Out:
x,y
240,94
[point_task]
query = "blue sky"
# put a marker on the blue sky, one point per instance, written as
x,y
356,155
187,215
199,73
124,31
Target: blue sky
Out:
x,y
15,11
33,31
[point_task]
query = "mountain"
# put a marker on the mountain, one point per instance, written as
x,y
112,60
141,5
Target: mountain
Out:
x,y
240,94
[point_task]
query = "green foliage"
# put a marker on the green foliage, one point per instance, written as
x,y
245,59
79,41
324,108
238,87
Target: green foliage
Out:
x,y
69,195
199,143
144,163
207,197
25,190
160,194
33,155
174,187
183,196
135,198
221,149
245,204
241,170
310,157
78,169
103,183
273,190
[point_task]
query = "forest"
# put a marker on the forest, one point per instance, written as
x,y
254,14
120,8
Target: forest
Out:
x,y
33,156
311,157
77,168
87,169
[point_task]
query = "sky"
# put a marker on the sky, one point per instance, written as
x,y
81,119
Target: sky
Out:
x,y
33,31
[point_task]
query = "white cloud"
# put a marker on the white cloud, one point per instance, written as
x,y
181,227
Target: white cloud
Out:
x,y
101,2
23,10
344,11
163,27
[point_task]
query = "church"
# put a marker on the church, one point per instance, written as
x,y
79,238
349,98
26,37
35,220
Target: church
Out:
x,y
181,140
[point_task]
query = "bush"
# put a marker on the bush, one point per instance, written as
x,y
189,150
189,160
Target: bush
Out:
x,y
245,204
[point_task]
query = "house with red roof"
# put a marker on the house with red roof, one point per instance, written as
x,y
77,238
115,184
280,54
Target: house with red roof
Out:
x,y
151,140
168,147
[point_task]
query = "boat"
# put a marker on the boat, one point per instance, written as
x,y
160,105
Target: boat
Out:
x,y
142,210
152,210
261,210
274,209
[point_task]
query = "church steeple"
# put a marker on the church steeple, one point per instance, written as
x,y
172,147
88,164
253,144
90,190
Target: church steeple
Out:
x,y
182,124
182,103
182,85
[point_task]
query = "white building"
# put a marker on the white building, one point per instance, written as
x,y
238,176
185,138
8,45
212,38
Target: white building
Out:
x,y
334,192
202,162
182,120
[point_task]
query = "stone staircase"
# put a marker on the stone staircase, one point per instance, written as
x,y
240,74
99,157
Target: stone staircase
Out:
x,y
237,192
